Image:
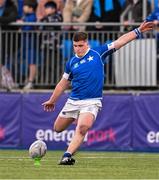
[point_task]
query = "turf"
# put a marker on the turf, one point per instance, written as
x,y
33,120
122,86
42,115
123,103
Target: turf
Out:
x,y
16,164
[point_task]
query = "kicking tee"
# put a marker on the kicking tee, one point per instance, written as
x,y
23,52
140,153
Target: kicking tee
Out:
x,y
87,73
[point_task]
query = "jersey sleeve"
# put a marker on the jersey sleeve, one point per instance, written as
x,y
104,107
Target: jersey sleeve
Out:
x,y
67,67
106,49
67,72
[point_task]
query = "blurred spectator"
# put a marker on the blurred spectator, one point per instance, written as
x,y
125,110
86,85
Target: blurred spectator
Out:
x,y
41,9
50,38
105,11
29,41
137,12
20,4
50,9
52,16
77,11
154,16
8,14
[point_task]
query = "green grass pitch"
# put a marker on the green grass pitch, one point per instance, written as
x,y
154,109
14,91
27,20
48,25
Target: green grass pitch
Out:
x,y
16,164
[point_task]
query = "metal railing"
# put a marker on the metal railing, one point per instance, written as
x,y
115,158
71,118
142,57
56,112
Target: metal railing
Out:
x,y
49,50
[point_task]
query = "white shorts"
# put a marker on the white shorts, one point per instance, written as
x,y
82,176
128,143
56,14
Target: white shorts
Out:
x,y
73,108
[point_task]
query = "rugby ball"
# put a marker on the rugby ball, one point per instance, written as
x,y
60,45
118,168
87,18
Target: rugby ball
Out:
x,y
37,149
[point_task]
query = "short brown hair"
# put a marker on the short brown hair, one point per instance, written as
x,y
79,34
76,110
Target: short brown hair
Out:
x,y
80,36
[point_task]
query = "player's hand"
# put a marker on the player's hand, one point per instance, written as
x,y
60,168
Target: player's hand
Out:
x,y
48,106
146,26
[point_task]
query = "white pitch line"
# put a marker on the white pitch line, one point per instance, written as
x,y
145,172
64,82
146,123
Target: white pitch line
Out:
x,y
88,157
117,157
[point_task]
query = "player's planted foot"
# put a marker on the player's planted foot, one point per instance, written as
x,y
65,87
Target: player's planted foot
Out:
x,y
67,161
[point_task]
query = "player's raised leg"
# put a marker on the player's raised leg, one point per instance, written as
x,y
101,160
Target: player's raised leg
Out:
x,y
62,123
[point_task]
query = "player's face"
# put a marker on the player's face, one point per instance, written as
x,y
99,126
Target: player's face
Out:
x,y
80,48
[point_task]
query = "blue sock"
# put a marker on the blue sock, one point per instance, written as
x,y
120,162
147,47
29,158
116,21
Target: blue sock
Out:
x,y
67,154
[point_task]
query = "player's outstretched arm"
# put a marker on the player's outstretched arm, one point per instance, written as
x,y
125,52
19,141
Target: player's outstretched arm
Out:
x,y
59,89
128,37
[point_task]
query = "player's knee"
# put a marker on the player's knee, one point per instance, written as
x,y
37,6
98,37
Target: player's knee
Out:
x,y
57,129
83,130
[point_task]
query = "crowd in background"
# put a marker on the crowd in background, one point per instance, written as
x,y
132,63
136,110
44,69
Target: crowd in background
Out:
x,y
66,11
82,10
